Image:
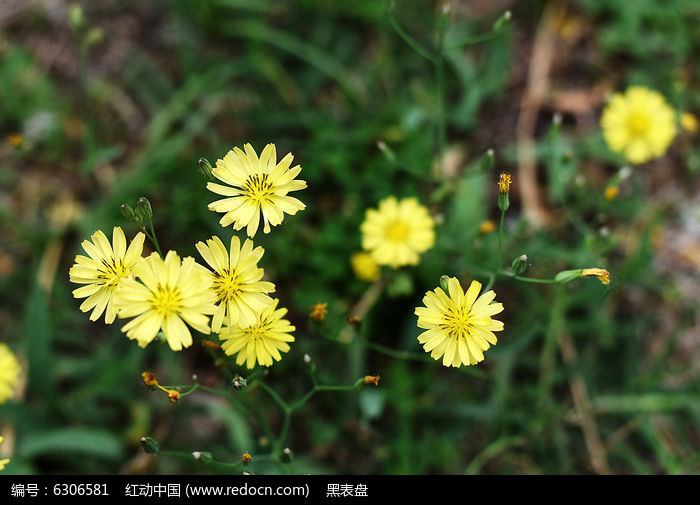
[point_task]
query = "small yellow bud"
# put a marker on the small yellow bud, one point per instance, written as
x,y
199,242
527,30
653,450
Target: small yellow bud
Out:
x,y
611,193
174,396
504,184
372,379
487,227
318,312
602,274
689,122
149,378
246,458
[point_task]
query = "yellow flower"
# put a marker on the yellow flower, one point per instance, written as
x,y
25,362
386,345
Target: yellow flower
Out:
x,y
104,271
170,294
459,326
689,122
371,379
364,266
487,227
9,373
504,184
4,461
260,342
602,274
318,312
398,232
259,185
240,294
611,193
640,124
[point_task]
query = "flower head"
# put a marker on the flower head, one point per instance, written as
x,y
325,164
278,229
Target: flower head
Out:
x,y
689,122
365,267
150,379
371,379
318,312
255,185
602,274
171,293
459,326
504,184
487,227
240,294
398,232
104,270
9,373
640,124
260,342
611,193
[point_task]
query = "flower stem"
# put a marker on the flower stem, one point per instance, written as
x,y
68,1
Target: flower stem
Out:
x,y
153,238
500,239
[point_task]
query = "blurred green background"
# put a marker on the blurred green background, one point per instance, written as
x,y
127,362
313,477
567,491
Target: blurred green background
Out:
x,y
105,101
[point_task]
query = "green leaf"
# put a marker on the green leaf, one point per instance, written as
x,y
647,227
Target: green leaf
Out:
x,y
76,440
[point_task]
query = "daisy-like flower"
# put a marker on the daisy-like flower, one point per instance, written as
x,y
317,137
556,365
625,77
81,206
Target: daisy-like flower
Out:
x,y
640,124
262,341
398,232
459,326
240,294
256,185
4,461
9,373
171,293
104,270
365,267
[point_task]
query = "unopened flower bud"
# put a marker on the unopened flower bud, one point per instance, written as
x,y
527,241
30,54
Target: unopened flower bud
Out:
x,y
128,212
204,168
487,161
519,264
150,445
286,455
444,281
502,21
143,208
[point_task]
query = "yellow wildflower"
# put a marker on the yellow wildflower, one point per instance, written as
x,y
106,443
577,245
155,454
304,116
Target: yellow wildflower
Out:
x,y
611,193
255,185
260,342
640,124
459,326
240,294
371,379
689,122
504,184
171,293
149,378
602,274
9,373
398,232
104,271
318,312
364,267
487,227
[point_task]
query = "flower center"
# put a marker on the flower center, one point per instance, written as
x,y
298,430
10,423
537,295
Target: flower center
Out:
x,y
457,322
397,231
258,331
112,272
166,300
257,187
638,123
226,285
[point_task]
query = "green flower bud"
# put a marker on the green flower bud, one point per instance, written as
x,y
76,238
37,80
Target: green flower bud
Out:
x,y
75,16
143,208
205,168
487,161
502,21
444,281
503,201
519,264
286,455
568,275
150,445
128,212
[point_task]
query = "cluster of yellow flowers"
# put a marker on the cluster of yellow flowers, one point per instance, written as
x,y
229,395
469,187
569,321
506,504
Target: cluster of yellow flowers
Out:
x,y
173,294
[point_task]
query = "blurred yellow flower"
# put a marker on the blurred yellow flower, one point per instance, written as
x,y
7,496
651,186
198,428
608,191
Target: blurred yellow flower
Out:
x,y
689,122
364,266
398,232
240,294
459,326
318,312
4,461
487,227
9,373
255,185
611,193
170,294
104,270
640,124
602,274
260,342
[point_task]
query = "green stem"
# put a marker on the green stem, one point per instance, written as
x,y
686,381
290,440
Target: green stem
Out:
x,y
500,240
154,239
412,43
